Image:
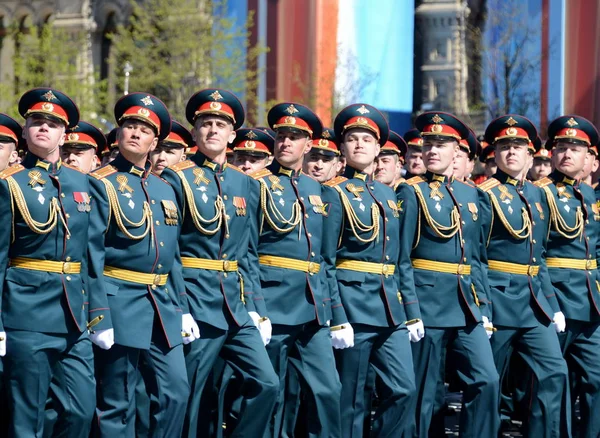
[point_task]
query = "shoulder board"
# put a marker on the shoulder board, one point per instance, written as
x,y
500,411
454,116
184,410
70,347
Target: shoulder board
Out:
x,y
543,182
595,185
415,180
11,171
335,181
488,184
232,167
182,165
103,172
260,173
73,168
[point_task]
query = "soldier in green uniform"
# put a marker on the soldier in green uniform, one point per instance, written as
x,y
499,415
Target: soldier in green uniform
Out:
x,y
43,273
571,260
81,144
464,162
323,160
10,140
292,275
134,241
219,204
171,150
414,154
252,149
362,232
440,259
390,160
526,313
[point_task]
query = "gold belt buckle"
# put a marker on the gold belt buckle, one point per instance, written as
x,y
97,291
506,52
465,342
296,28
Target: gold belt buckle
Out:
x,y
531,270
66,268
156,280
588,264
226,265
385,270
461,269
312,268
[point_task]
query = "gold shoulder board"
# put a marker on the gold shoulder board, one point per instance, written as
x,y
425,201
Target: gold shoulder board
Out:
x,y
260,173
488,184
232,167
335,181
103,172
182,165
72,167
11,171
543,182
415,180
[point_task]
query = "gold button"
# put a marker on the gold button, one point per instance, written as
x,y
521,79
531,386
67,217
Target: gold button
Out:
x,y
145,183
68,259
225,197
226,265
306,215
83,307
68,278
451,189
62,195
587,237
532,223
157,222
224,256
463,222
461,269
226,236
312,254
83,291
153,201
459,204
68,215
225,274
56,177
153,287
301,198
162,244
372,187
309,235
295,182
156,280
221,178
465,260
159,266
534,241
166,290
68,237
386,219
387,237
533,259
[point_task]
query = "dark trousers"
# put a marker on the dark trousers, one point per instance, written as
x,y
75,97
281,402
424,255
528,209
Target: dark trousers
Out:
x,y
387,351
31,360
476,370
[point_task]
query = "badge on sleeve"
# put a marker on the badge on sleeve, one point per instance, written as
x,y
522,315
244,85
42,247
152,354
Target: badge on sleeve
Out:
x,y
240,205
394,207
83,201
170,210
540,210
473,210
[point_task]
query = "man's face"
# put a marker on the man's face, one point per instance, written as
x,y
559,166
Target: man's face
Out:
x,y
490,167
540,169
414,161
8,154
591,164
82,159
136,138
163,157
249,163
439,154
43,135
290,147
569,158
213,133
512,156
462,165
321,167
360,147
387,169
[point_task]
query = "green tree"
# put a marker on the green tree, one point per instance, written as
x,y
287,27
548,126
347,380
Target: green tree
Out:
x,y
178,48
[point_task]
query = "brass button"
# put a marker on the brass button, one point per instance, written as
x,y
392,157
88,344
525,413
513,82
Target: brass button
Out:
x,y
463,222
226,265
225,274
387,237
461,269
153,201
532,222
157,222
145,183
221,178
83,291
166,290
533,260
162,244
534,241
159,266
459,204
68,259
153,287
66,268
62,195
387,257
68,278
386,219
465,260
306,215
224,256
83,307
68,237
309,235
312,254
301,198
225,197
68,215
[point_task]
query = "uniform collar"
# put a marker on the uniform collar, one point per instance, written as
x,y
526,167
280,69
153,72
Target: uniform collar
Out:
x,y
32,160
277,169
431,177
203,161
505,178
560,177
351,172
124,165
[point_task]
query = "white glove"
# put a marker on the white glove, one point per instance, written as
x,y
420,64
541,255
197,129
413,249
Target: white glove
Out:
x,y
416,331
2,344
559,322
266,329
103,338
488,326
328,323
342,336
189,329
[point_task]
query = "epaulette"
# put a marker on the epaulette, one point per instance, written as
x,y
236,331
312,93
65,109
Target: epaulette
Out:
x,y
488,184
11,171
595,185
260,173
543,182
415,180
72,167
232,167
400,181
335,181
104,171
182,165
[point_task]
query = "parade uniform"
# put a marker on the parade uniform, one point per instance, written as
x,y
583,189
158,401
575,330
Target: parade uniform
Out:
x,y
443,264
46,212
134,241
571,260
515,217
219,204
362,231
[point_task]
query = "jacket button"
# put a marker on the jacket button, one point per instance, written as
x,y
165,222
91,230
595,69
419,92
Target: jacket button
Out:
x,y
68,278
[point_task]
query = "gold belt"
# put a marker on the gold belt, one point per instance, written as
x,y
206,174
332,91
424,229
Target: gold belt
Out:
x,y
284,262
586,265
449,268
136,277
46,265
212,265
513,268
369,267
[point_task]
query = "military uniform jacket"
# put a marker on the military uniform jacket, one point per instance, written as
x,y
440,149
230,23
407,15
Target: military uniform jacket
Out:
x,y
515,218
574,230
443,216
363,226
135,226
45,211
290,225
218,203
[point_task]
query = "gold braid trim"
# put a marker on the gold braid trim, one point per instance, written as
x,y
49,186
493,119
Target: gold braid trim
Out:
x,y
268,204
521,234
445,232
197,218
119,214
54,214
356,223
559,223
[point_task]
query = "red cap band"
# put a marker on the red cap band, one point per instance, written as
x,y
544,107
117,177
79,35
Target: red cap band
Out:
x,y
217,108
48,108
143,114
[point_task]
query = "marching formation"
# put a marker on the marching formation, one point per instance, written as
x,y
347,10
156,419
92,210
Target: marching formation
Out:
x,y
294,280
